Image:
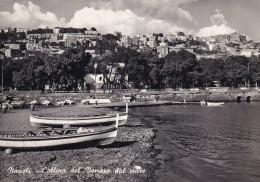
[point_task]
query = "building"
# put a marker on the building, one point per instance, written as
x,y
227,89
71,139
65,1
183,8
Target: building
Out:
x,y
152,43
25,30
162,50
36,53
34,46
92,52
91,34
213,47
135,40
126,41
246,52
98,81
56,30
91,80
200,56
13,50
39,36
12,46
13,53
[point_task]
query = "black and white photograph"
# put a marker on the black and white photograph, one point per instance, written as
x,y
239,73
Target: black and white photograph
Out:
x,y
130,90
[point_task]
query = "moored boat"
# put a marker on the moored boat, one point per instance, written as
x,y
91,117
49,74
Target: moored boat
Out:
x,y
54,138
42,120
214,103
81,120
203,103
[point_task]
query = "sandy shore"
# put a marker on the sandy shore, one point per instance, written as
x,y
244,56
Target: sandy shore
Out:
x,y
131,157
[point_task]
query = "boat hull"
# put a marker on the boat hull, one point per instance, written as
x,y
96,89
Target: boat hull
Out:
x,y
84,121
215,103
103,137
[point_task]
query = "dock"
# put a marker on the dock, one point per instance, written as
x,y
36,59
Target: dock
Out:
x,y
144,104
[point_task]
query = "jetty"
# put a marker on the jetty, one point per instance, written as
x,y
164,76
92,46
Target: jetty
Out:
x,y
144,104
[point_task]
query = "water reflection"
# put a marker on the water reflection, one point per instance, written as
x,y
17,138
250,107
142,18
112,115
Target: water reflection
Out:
x,y
207,143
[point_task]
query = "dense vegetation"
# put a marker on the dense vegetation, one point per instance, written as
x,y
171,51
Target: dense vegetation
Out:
x,y
145,70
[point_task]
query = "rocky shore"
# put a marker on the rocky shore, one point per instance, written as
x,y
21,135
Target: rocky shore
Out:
x,y
131,157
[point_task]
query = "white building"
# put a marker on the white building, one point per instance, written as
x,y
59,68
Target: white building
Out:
x,y
56,30
246,52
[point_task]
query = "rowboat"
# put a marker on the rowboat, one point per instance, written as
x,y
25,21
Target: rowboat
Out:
x,y
18,103
46,102
203,103
81,120
215,103
42,120
34,102
104,135
63,102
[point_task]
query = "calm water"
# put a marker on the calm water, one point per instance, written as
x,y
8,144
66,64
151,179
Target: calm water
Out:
x,y
206,143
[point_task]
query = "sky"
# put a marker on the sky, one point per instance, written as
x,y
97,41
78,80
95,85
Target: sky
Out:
x,y
131,17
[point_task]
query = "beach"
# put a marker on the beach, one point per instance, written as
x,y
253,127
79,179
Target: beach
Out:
x,y
131,157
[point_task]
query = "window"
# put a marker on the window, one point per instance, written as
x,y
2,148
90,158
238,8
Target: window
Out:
x,y
100,78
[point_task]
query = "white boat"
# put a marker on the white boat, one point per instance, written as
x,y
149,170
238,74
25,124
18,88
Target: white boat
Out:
x,y
34,102
63,102
54,138
46,102
214,103
96,101
70,121
68,101
203,103
18,102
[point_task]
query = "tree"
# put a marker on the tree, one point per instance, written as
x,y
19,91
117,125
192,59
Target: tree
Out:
x,y
10,66
73,65
211,70
53,44
34,74
254,69
236,71
177,67
138,71
106,45
156,78
113,74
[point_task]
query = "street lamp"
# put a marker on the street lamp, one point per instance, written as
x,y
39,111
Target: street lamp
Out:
x,y
2,65
95,66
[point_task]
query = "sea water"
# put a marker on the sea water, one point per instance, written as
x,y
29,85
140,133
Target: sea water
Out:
x,y
200,143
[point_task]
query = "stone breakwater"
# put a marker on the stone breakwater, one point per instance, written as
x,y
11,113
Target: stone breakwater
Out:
x,y
131,157
178,96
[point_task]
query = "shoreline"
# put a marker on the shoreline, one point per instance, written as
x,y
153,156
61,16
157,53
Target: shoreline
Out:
x,y
132,157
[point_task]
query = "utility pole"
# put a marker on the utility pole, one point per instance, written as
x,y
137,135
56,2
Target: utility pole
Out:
x,y
95,66
2,67
248,84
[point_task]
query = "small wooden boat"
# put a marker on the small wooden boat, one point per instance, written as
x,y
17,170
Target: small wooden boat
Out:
x,y
43,120
34,102
214,103
81,120
46,102
104,135
17,103
68,101
203,103
63,102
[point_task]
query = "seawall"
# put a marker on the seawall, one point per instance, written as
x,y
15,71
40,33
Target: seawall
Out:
x,y
178,96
